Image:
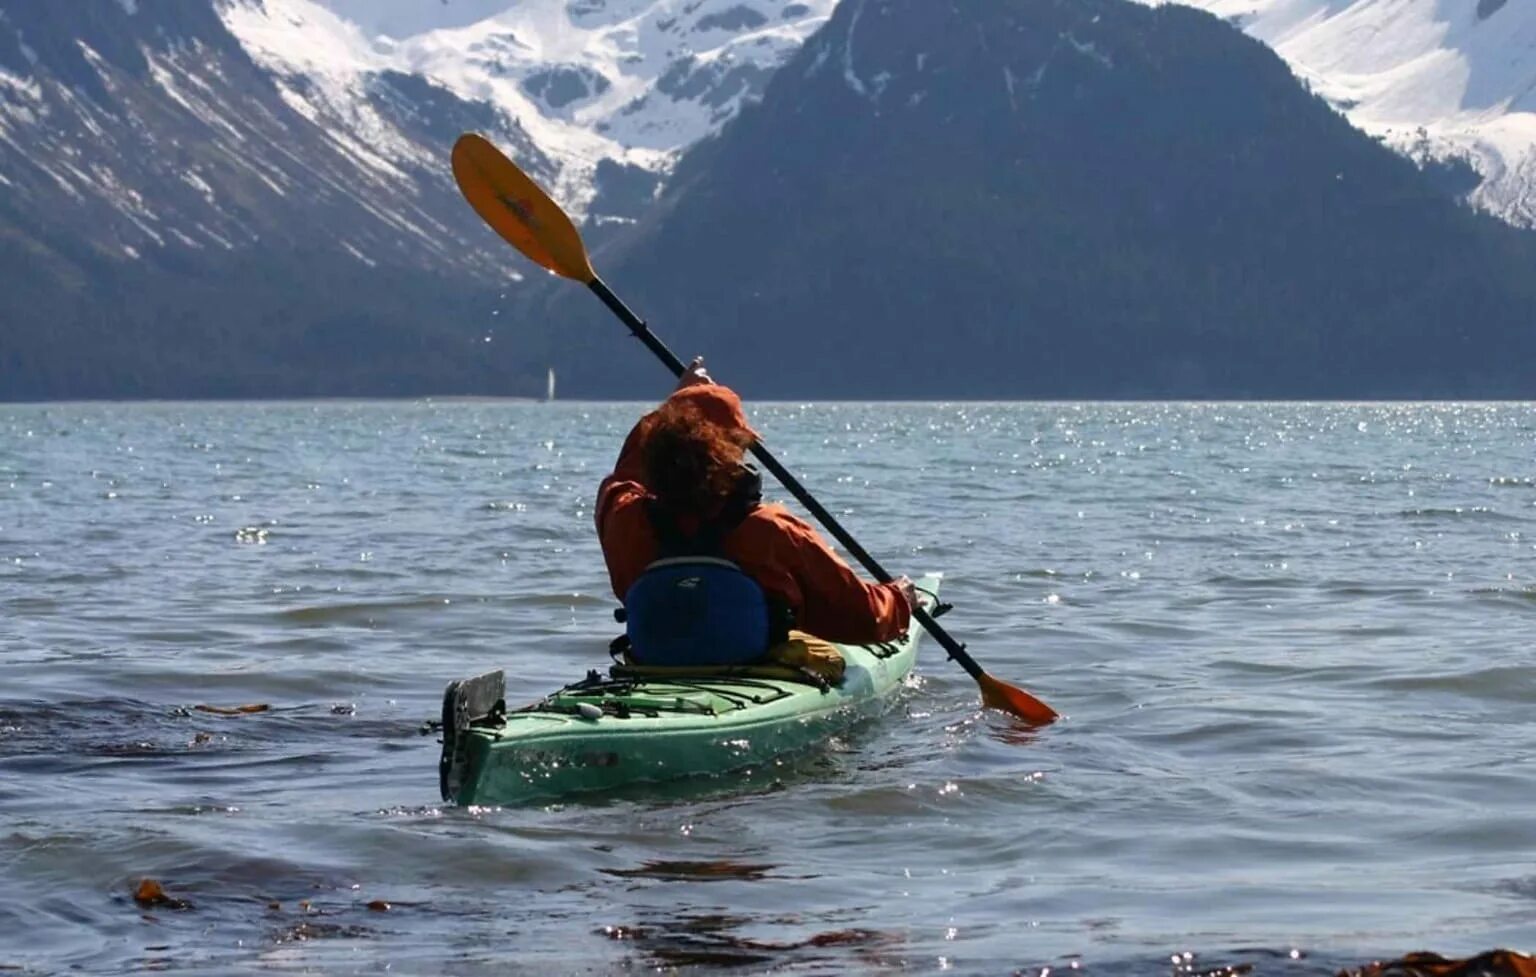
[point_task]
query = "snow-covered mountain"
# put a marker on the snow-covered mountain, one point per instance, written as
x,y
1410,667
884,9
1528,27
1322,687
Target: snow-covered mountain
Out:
x,y
219,196
299,104
632,82
1449,79
250,196
1086,198
145,132
635,81
132,126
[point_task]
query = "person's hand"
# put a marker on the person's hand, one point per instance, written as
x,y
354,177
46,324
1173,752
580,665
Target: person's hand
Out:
x,y
908,590
694,375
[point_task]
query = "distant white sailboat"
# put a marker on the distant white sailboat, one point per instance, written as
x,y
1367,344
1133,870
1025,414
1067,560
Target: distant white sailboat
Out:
x,y
549,385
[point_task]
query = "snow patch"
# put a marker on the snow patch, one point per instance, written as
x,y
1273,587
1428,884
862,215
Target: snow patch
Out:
x,y
494,52
191,179
297,102
64,184
27,88
1468,79
165,73
849,75
364,154
1088,49
301,37
98,64
823,52
130,7
185,240
167,81
216,237
360,256
1039,75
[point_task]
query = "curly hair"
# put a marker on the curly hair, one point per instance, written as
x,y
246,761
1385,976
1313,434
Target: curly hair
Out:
x,y
691,464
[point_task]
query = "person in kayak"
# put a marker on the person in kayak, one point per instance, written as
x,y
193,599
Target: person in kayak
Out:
x,y
708,574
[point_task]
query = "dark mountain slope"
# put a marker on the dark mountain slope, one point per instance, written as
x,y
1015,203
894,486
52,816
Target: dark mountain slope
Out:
x,y
173,224
1086,198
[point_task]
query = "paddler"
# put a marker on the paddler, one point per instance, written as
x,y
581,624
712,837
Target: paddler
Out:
x,y
707,572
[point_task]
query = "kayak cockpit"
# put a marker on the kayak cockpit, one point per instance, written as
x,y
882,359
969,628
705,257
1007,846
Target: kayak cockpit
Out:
x,y
633,725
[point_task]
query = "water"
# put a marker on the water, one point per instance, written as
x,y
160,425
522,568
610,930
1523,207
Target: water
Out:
x,y
1293,642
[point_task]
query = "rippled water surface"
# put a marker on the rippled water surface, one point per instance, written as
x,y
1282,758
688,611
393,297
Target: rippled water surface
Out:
x,y
1294,642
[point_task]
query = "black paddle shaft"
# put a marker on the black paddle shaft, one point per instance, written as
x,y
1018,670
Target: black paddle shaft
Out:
x,y
642,332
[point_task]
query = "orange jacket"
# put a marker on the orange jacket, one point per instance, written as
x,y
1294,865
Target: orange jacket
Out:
x,y
784,554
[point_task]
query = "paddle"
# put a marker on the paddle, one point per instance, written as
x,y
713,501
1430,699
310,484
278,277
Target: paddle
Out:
x,y
524,215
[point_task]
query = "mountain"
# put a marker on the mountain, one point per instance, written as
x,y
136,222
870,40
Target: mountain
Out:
x,y
172,226
1450,82
252,197
627,85
1059,198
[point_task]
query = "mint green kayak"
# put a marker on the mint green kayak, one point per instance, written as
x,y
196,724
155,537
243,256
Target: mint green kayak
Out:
x,y
632,728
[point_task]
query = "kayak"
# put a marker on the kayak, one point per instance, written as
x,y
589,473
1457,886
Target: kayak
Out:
x,y
638,726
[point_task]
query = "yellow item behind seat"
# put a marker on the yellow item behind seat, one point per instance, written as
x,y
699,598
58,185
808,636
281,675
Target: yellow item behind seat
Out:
x,y
804,657
812,654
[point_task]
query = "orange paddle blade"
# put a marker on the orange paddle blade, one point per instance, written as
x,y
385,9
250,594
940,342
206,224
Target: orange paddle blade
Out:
x,y
517,209
997,694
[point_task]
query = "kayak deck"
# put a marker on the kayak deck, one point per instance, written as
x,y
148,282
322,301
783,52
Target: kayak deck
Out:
x,y
635,727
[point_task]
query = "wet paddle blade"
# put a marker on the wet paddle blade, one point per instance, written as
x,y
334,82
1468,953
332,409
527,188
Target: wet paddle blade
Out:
x,y
517,209
997,694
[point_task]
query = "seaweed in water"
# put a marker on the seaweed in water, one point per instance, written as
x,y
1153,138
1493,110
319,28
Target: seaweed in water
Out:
x,y
1493,963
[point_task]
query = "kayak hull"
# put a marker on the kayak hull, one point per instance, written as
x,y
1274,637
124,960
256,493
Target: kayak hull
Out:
x,y
606,733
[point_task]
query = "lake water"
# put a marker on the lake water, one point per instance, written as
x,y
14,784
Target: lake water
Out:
x,y
1294,643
